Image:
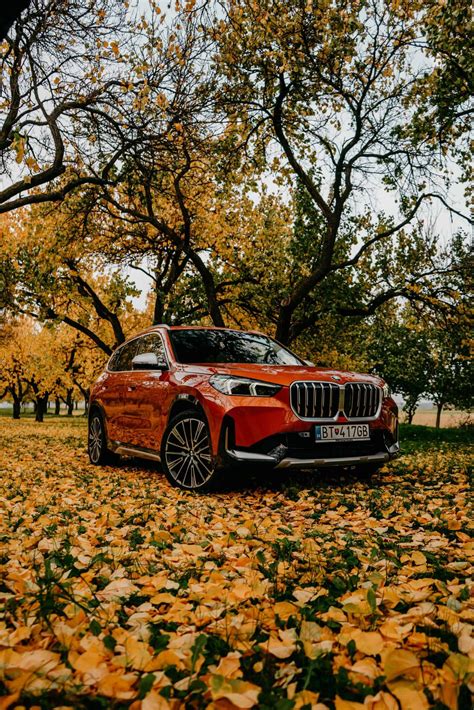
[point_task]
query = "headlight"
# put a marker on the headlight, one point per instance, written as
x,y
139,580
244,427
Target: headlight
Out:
x,y
386,391
243,386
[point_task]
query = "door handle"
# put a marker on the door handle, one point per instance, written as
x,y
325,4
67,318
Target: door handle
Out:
x,y
130,388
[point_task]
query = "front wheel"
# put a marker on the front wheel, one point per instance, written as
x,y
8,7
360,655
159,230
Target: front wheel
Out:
x,y
99,454
186,452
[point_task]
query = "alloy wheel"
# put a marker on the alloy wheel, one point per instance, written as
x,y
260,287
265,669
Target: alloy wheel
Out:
x,y
188,453
95,439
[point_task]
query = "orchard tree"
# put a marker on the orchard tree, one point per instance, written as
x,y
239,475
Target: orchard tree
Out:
x,y
451,373
323,92
447,108
61,64
51,274
14,344
173,207
43,362
400,348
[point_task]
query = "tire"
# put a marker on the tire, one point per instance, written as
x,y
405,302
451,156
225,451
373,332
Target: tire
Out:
x,y
186,453
99,454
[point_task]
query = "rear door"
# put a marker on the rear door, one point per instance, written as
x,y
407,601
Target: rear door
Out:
x,y
147,396
116,395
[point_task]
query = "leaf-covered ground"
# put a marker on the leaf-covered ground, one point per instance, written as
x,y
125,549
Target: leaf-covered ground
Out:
x,y
309,591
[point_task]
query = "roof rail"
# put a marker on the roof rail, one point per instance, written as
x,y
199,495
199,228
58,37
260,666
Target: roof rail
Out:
x,y
162,325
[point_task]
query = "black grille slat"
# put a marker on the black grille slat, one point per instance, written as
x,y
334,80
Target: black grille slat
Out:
x,y
320,400
315,400
362,400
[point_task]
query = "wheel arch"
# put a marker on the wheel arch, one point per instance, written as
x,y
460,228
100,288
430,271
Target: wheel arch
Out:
x,y
184,403
96,406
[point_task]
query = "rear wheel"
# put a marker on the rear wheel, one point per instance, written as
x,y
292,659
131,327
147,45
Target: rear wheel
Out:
x,y
99,454
186,452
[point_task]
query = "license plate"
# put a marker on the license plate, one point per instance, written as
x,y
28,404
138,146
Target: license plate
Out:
x,y
342,432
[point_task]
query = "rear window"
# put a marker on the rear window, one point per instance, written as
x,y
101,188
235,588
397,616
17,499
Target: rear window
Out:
x,y
226,346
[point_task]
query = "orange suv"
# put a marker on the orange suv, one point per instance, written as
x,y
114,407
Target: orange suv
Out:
x,y
205,400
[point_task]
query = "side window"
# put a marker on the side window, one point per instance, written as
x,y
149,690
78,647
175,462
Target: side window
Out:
x,y
152,343
122,359
113,362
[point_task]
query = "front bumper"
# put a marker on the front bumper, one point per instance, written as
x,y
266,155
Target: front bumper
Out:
x,y
291,451
294,462
265,431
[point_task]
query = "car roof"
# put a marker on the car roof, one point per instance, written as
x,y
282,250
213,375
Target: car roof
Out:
x,y
163,326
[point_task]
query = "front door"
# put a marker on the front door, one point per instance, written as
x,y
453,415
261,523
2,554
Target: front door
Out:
x,y
146,394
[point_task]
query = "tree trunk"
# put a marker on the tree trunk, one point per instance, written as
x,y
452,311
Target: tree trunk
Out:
x,y
282,332
439,409
213,306
57,407
69,403
159,308
41,407
411,412
16,408
85,391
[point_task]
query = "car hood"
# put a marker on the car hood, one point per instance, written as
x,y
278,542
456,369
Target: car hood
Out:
x,y
282,374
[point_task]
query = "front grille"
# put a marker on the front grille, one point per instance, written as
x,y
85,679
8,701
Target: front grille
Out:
x,y
321,400
361,400
315,400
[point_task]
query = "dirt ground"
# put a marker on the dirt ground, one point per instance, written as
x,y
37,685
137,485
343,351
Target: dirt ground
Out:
x,y
426,416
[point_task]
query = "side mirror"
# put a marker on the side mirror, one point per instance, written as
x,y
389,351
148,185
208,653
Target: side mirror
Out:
x,y
148,361
309,363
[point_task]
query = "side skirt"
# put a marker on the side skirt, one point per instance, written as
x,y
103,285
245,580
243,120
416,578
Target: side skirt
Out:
x,y
126,450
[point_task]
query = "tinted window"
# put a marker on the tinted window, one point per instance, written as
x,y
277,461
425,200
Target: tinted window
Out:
x,y
122,359
113,361
152,343
228,346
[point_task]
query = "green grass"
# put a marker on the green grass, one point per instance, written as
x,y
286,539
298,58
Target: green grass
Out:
x,y
50,416
422,438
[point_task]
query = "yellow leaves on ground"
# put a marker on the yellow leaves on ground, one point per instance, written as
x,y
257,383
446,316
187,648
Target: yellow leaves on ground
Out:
x,y
240,693
400,663
306,591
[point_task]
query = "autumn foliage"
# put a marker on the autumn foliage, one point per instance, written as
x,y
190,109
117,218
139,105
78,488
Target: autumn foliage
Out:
x,y
315,591
288,165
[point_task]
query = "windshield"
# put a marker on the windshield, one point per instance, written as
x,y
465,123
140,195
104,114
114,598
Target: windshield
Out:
x,y
198,346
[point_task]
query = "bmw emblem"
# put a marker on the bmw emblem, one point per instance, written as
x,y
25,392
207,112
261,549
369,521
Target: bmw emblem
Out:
x,y
335,377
